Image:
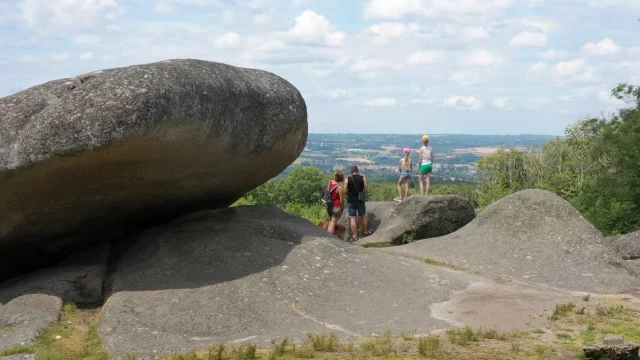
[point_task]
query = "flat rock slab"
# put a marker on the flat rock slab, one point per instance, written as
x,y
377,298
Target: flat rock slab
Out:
x,y
24,319
421,217
256,274
78,279
19,357
102,155
627,245
531,236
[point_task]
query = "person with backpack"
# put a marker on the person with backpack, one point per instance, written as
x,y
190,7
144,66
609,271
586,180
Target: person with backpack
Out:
x,y
426,165
356,187
405,168
333,199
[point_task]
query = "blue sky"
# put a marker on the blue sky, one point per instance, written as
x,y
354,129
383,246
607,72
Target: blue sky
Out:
x,y
368,66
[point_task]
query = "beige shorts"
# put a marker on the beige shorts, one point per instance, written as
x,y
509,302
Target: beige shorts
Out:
x,y
336,213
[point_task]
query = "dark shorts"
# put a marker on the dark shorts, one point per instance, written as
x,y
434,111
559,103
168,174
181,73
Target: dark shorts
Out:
x,y
358,209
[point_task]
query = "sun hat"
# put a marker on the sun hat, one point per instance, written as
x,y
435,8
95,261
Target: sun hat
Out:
x,y
406,151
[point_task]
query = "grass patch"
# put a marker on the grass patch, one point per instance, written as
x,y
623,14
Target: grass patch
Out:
x,y
466,335
586,298
429,346
435,262
17,350
562,310
378,245
323,342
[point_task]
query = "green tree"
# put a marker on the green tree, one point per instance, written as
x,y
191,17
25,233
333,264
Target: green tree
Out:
x,y
304,186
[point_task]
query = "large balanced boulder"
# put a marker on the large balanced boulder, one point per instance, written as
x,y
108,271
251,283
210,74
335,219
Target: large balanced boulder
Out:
x,y
532,236
420,217
627,245
99,156
257,274
24,319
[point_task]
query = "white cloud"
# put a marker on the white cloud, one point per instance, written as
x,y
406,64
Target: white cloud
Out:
x,y
500,103
312,28
635,50
336,94
60,57
553,54
544,25
480,58
455,9
538,68
386,31
163,8
604,47
86,40
527,39
471,33
86,56
368,75
28,59
261,19
467,78
426,58
381,102
463,102
229,40
606,98
574,70
48,16
113,28
369,64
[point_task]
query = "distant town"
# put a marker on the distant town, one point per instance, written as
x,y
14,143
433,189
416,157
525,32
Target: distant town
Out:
x,y
378,155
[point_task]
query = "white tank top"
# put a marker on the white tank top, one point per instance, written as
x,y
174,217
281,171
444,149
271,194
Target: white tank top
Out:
x,y
426,151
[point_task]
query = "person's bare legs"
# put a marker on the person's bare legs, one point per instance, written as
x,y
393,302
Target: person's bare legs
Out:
x,y
354,227
421,179
407,182
365,225
332,225
428,184
400,188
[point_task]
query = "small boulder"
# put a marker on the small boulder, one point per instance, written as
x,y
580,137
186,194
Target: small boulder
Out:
x,y
613,348
24,319
420,217
627,245
376,212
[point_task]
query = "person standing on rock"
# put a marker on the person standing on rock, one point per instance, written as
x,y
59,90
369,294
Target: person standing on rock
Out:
x,y
337,195
405,168
426,166
357,186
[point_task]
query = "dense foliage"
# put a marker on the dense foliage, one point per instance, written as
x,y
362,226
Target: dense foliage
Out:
x,y
596,167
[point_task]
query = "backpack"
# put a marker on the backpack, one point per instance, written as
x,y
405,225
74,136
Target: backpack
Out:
x,y
326,198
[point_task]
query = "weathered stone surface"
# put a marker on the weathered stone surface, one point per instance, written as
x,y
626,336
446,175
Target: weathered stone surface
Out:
x,y
256,274
532,236
423,217
376,212
612,351
77,279
24,319
627,245
19,357
92,158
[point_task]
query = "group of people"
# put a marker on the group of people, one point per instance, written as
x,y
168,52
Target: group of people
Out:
x,y
355,187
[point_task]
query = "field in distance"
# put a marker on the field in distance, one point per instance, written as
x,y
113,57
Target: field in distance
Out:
x,y
377,154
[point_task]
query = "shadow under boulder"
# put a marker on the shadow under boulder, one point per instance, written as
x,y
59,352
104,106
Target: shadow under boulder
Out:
x,y
421,217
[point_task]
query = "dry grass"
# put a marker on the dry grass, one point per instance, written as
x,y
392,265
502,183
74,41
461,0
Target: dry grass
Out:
x,y
435,262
